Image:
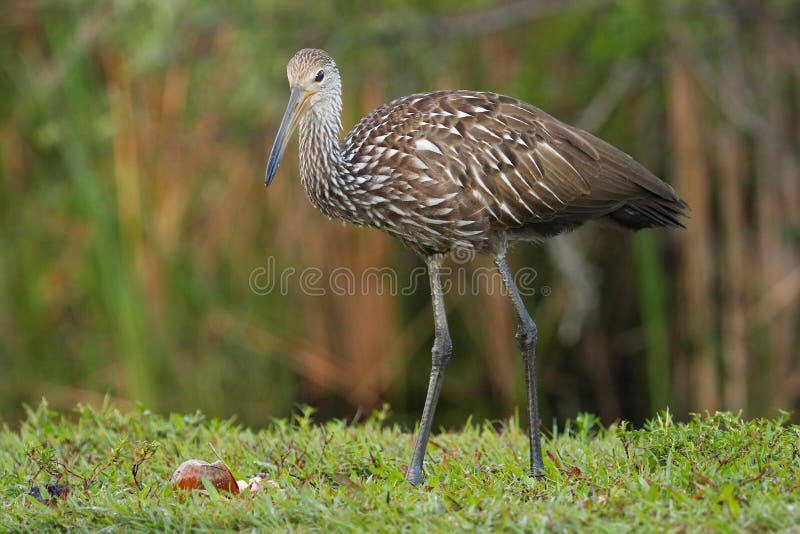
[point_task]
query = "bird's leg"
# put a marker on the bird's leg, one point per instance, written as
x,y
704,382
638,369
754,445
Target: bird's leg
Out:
x,y
526,339
441,352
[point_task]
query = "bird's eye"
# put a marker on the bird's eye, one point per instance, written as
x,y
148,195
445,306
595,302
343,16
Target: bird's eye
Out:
x,y
319,77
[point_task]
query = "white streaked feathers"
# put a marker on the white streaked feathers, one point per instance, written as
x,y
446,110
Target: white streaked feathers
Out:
x,y
438,168
424,144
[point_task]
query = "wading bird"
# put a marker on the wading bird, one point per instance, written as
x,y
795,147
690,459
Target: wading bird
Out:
x,y
461,169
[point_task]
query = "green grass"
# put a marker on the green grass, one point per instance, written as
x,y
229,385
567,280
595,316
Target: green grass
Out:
x,y
711,473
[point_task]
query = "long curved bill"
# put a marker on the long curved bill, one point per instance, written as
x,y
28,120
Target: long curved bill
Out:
x,y
291,117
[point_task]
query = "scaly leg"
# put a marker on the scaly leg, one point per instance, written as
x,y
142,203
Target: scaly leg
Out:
x,y
526,339
441,352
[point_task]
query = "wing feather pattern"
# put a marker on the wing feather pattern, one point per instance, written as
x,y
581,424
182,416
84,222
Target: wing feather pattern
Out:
x,y
512,164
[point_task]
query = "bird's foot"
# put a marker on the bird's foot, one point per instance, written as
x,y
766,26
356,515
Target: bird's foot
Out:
x,y
538,475
415,476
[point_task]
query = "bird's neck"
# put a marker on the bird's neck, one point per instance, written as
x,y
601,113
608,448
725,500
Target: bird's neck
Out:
x,y
323,171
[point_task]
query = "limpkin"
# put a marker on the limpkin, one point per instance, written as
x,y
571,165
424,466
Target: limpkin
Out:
x,y
461,169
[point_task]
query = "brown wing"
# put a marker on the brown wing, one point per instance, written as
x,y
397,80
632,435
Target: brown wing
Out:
x,y
458,162
525,167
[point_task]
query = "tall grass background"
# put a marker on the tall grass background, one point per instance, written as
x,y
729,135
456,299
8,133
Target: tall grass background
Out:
x,y
134,136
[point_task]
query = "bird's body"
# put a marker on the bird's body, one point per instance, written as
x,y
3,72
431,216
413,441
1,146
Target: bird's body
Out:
x,y
461,169
472,169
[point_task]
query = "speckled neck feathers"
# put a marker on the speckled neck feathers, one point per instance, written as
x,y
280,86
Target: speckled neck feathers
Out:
x,y
323,172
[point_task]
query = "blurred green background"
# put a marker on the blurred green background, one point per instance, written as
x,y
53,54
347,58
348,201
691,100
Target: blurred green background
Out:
x,y
134,139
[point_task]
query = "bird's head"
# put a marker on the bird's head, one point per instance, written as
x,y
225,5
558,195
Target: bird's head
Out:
x,y
315,85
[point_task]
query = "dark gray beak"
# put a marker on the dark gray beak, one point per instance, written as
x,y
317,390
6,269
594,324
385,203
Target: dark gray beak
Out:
x,y
298,101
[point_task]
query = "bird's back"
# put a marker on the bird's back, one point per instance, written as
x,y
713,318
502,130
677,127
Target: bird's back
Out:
x,y
466,167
